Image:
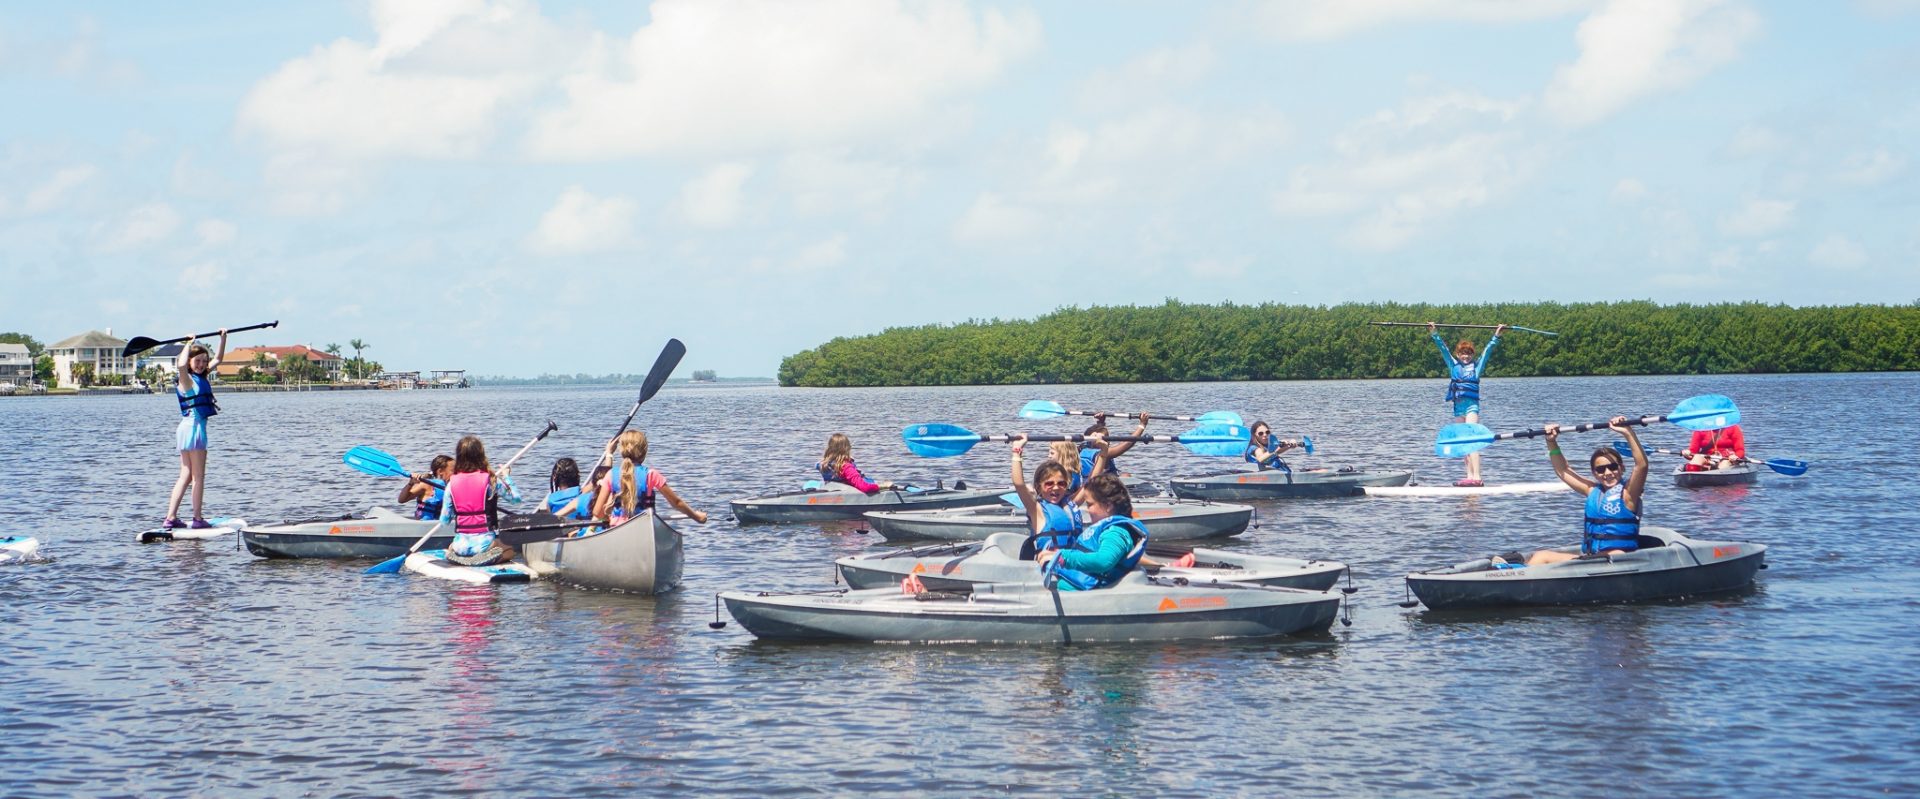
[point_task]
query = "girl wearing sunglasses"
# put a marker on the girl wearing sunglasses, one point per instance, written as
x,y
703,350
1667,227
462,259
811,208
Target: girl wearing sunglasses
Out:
x,y
1613,496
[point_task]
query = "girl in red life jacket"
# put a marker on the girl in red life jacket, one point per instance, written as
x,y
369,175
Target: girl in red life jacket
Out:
x,y
836,466
1727,444
631,487
473,505
194,389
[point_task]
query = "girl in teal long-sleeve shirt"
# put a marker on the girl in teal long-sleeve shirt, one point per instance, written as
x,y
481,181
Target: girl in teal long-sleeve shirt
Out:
x,y
1463,386
1109,547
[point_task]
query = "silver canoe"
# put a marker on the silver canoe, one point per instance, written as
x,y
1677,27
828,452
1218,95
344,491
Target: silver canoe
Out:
x,y
379,533
642,555
1744,474
1139,608
1166,519
835,501
1275,484
997,560
1666,565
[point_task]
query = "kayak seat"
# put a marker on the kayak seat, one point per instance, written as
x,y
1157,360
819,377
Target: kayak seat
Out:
x,y
1648,542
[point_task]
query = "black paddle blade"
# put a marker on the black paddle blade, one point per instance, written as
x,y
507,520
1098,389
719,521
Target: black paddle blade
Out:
x,y
663,366
519,529
138,345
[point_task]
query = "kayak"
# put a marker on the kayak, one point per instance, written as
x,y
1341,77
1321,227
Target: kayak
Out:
x,y
1666,565
1141,607
1298,484
1167,520
1744,474
379,533
434,563
220,527
997,560
1464,491
641,555
18,547
835,501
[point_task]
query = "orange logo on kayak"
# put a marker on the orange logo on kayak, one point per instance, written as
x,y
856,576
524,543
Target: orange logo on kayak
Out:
x,y
1723,552
919,568
1168,603
825,500
333,531
1153,514
1248,479
337,529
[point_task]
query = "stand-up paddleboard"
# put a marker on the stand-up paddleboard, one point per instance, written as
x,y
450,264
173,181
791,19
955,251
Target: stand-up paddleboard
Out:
x,y
220,527
434,563
1465,491
18,547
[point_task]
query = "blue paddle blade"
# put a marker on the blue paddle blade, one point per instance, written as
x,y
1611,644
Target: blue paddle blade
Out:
x,y
1217,440
1306,443
374,462
1705,412
1461,440
1787,466
937,440
1220,417
812,485
1012,498
388,566
1625,449
1042,409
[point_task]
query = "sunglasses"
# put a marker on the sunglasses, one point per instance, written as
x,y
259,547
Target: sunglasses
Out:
x,y
1054,484
1605,468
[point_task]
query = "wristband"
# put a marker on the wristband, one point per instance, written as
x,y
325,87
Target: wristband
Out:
x,y
1553,451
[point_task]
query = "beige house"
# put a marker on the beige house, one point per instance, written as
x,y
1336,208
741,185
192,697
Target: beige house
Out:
x,y
96,347
331,365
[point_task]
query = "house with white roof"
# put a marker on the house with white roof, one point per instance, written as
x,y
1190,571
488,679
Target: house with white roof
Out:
x,y
16,365
97,347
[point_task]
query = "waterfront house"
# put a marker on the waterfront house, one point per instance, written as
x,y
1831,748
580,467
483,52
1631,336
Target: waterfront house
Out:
x,y
164,358
96,347
329,364
16,365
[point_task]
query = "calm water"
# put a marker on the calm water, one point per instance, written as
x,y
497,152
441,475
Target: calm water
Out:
x,y
197,669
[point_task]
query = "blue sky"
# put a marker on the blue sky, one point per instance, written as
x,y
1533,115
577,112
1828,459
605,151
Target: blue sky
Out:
x,y
519,187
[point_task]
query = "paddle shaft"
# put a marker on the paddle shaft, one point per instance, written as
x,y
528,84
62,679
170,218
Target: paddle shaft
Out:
x,y
1473,327
1133,415
662,367
1001,439
1578,428
142,344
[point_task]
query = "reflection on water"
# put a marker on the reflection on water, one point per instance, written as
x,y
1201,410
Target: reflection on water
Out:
x,y
276,678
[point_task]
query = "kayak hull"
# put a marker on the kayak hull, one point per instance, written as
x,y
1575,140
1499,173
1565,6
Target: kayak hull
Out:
x,y
379,533
1300,484
1744,474
1668,565
220,527
837,502
642,555
1166,520
1140,608
433,563
997,560
1465,491
18,547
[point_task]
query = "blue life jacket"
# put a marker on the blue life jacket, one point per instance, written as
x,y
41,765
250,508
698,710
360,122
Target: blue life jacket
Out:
x,y
429,508
1610,523
1464,381
1074,481
1089,540
645,503
1089,455
1273,460
1061,528
582,511
200,401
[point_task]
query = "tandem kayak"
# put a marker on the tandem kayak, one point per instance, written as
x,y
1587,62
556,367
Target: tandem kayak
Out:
x,y
1276,484
220,527
997,560
836,501
1167,520
18,547
1140,607
379,533
1666,565
434,563
1744,474
1465,491
642,555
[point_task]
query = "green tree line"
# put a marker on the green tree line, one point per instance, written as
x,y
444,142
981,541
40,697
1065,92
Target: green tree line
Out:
x,y
1178,341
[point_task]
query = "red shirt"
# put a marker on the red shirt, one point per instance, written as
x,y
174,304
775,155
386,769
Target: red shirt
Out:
x,y
1725,442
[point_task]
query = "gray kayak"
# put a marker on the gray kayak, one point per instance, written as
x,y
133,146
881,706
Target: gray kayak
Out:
x,y
642,555
1666,565
1140,607
1166,519
1744,474
1276,484
997,560
379,533
835,501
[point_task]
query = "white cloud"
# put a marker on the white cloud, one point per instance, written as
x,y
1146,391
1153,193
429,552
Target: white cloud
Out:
x,y
1758,218
141,227
1871,169
304,184
1629,190
1159,71
50,194
991,218
732,75
1295,20
820,255
1837,252
822,181
581,223
714,199
203,276
216,233
1633,48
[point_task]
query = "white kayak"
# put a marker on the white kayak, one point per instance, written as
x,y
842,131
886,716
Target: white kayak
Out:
x,y
434,563
220,527
18,547
1465,491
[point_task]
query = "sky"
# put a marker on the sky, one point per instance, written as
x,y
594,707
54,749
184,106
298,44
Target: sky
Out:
x,y
516,187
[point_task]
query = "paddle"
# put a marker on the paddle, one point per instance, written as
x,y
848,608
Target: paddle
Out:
x,y
374,462
142,343
1786,466
521,529
1705,412
392,565
1048,409
947,440
663,367
1474,327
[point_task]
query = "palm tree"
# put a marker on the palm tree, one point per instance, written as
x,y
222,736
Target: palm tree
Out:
x,y
259,362
357,346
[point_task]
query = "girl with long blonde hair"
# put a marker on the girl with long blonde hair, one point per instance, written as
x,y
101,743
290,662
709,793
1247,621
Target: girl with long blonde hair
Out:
x,y
631,487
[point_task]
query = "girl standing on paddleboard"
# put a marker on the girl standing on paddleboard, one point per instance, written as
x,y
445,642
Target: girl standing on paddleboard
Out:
x,y
631,487
1463,387
472,506
194,389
